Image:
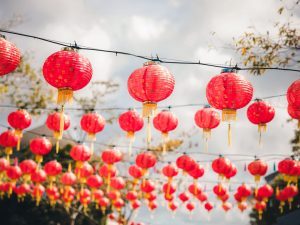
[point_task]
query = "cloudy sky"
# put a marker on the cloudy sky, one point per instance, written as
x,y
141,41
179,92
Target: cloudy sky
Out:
x,y
174,29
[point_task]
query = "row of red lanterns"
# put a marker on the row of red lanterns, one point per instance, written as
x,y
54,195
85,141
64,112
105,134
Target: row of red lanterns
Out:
x,y
69,71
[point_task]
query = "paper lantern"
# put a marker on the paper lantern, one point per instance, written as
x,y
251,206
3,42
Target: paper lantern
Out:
x,y
286,167
38,176
244,191
136,172
190,206
147,186
226,206
260,113
8,140
184,196
293,94
13,172
242,206
291,192
19,120
131,122
52,169
37,193
265,192
145,160
257,168
186,163
40,146
260,207
165,121
58,122
208,206
9,56
117,183
221,166
294,112
228,92
207,119
81,154
27,166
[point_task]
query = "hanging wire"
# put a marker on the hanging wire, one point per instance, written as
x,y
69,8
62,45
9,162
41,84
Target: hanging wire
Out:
x,y
157,59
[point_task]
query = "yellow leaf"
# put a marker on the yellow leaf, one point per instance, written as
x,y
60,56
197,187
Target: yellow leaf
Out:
x,y
244,51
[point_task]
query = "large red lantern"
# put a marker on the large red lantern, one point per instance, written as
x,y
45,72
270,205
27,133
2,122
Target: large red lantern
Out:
x,y
257,168
229,92
165,121
40,147
207,119
8,140
19,120
294,112
92,123
9,56
150,84
131,122
67,71
260,113
293,94
58,122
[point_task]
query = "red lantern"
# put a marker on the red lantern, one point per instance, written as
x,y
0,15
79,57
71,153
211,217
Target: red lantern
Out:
x,y
232,172
147,186
208,206
37,193
103,202
151,196
207,119
244,191
13,173
9,56
186,163
294,112
94,182
92,123
81,154
113,195
58,122
52,169
68,179
285,167
265,192
117,183
38,176
169,189
19,120
202,197
195,189
150,84
260,113
145,160
8,140
282,197
165,121
221,166
290,191
40,147
219,190
197,172
293,94
242,206
260,207
27,166
131,122
68,196
190,206
67,71
226,206
173,206
136,172
111,156
107,171
229,92
184,196
152,205
131,196
135,204
4,164
224,197
169,171
257,168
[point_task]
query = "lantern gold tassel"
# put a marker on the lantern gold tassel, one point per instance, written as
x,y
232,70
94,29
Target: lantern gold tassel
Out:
x,y
260,212
64,95
8,151
165,138
148,132
130,135
298,124
19,134
261,128
229,134
92,147
206,135
149,109
169,186
57,146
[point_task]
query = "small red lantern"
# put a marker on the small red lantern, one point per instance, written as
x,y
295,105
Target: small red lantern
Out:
x,y
131,195
147,186
226,206
294,112
81,154
258,168
291,191
265,192
260,113
68,196
169,189
165,121
94,182
184,196
190,206
131,122
37,193
197,172
285,167
293,94
4,164
9,56
208,206
186,163
221,166
173,206
150,84
103,202
40,147
228,92
19,120
145,160
27,166
38,176
169,171
195,189
58,122
68,179
244,191
242,206
152,205
92,123
260,207
117,183
13,173
107,171
207,119
9,140
52,169
219,190
136,172
202,197
111,156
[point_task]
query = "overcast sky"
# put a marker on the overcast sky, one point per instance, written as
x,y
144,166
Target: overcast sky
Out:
x,y
177,29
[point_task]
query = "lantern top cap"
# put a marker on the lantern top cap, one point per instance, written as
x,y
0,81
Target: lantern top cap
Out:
x,y
149,63
229,70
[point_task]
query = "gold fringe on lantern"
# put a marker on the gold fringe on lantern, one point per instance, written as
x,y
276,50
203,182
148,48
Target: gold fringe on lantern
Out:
x,y
206,135
109,166
39,159
228,115
261,128
298,124
19,134
165,138
149,109
148,132
64,95
260,212
8,151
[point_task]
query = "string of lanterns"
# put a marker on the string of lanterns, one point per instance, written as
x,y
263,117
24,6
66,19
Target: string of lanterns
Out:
x,y
69,71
